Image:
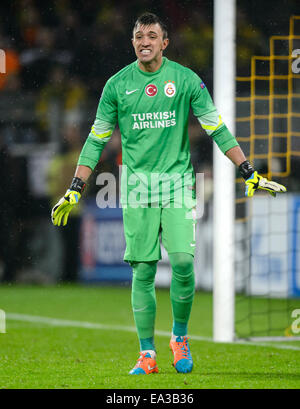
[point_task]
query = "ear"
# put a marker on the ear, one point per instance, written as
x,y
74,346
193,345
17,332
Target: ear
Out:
x,y
165,44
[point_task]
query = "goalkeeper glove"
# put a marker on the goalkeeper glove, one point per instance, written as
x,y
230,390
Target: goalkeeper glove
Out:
x,y
61,210
254,181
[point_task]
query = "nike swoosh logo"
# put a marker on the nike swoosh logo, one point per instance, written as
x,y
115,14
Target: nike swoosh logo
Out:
x,y
151,367
130,92
139,309
183,298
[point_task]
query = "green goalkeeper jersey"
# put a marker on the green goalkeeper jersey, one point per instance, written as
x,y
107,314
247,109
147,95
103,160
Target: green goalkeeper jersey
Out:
x,y
152,111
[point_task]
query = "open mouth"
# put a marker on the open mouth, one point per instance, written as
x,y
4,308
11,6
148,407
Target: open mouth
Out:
x,y
145,52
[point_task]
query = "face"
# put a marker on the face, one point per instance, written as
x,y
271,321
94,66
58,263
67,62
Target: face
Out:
x,y
148,43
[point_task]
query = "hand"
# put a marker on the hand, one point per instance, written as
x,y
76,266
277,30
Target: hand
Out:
x,y
61,210
255,182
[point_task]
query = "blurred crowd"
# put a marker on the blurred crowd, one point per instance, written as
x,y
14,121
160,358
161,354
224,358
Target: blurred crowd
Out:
x,y
59,54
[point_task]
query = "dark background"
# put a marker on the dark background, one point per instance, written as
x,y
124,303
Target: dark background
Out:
x,y
59,56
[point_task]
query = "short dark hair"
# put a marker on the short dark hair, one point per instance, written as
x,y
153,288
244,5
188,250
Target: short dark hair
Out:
x,y
146,19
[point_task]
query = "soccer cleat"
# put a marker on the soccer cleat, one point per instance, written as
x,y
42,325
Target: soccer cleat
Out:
x,y
145,365
183,361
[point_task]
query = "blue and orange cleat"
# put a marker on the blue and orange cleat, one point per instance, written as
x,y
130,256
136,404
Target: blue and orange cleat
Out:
x,y
183,361
145,365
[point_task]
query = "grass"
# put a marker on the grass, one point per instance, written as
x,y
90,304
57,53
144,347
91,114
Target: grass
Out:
x,y
42,356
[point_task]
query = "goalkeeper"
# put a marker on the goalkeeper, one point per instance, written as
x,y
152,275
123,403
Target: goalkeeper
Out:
x,y
150,99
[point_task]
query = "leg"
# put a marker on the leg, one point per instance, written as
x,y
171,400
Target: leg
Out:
x,y
141,228
178,235
182,290
143,301
144,310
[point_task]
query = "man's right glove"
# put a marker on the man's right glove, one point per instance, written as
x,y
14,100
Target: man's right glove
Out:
x,y
254,181
61,210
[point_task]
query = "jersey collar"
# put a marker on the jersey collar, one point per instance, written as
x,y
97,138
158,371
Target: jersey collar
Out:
x,y
149,74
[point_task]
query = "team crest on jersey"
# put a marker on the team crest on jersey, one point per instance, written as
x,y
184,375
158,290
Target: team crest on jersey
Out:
x,y
151,90
170,89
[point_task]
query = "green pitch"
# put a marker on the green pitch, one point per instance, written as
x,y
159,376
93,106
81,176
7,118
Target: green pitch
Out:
x,y
75,351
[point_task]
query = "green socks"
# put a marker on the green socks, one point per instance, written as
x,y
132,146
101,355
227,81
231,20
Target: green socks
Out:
x,y
179,329
182,290
143,302
143,297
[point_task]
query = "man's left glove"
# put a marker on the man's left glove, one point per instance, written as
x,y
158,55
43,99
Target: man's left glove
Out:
x,y
61,210
254,181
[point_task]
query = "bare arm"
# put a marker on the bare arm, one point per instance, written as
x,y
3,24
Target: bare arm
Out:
x,y
83,172
236,155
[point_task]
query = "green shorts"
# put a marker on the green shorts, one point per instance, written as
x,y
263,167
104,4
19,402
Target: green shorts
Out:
x,y
143,227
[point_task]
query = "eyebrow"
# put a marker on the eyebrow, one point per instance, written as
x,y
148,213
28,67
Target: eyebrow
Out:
x,y
150,32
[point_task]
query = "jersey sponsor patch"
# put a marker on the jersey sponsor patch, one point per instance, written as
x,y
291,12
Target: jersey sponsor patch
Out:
x,y
151,90
202,85
154,120
170,89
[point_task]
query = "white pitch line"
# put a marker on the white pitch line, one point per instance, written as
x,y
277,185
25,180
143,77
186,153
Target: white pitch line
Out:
x,y
57,322
269,345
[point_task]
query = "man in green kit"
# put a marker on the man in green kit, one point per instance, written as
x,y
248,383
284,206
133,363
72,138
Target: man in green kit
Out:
x,y
150,99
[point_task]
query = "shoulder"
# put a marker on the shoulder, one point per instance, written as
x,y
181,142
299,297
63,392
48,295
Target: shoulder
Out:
x,y
182,70
184,75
